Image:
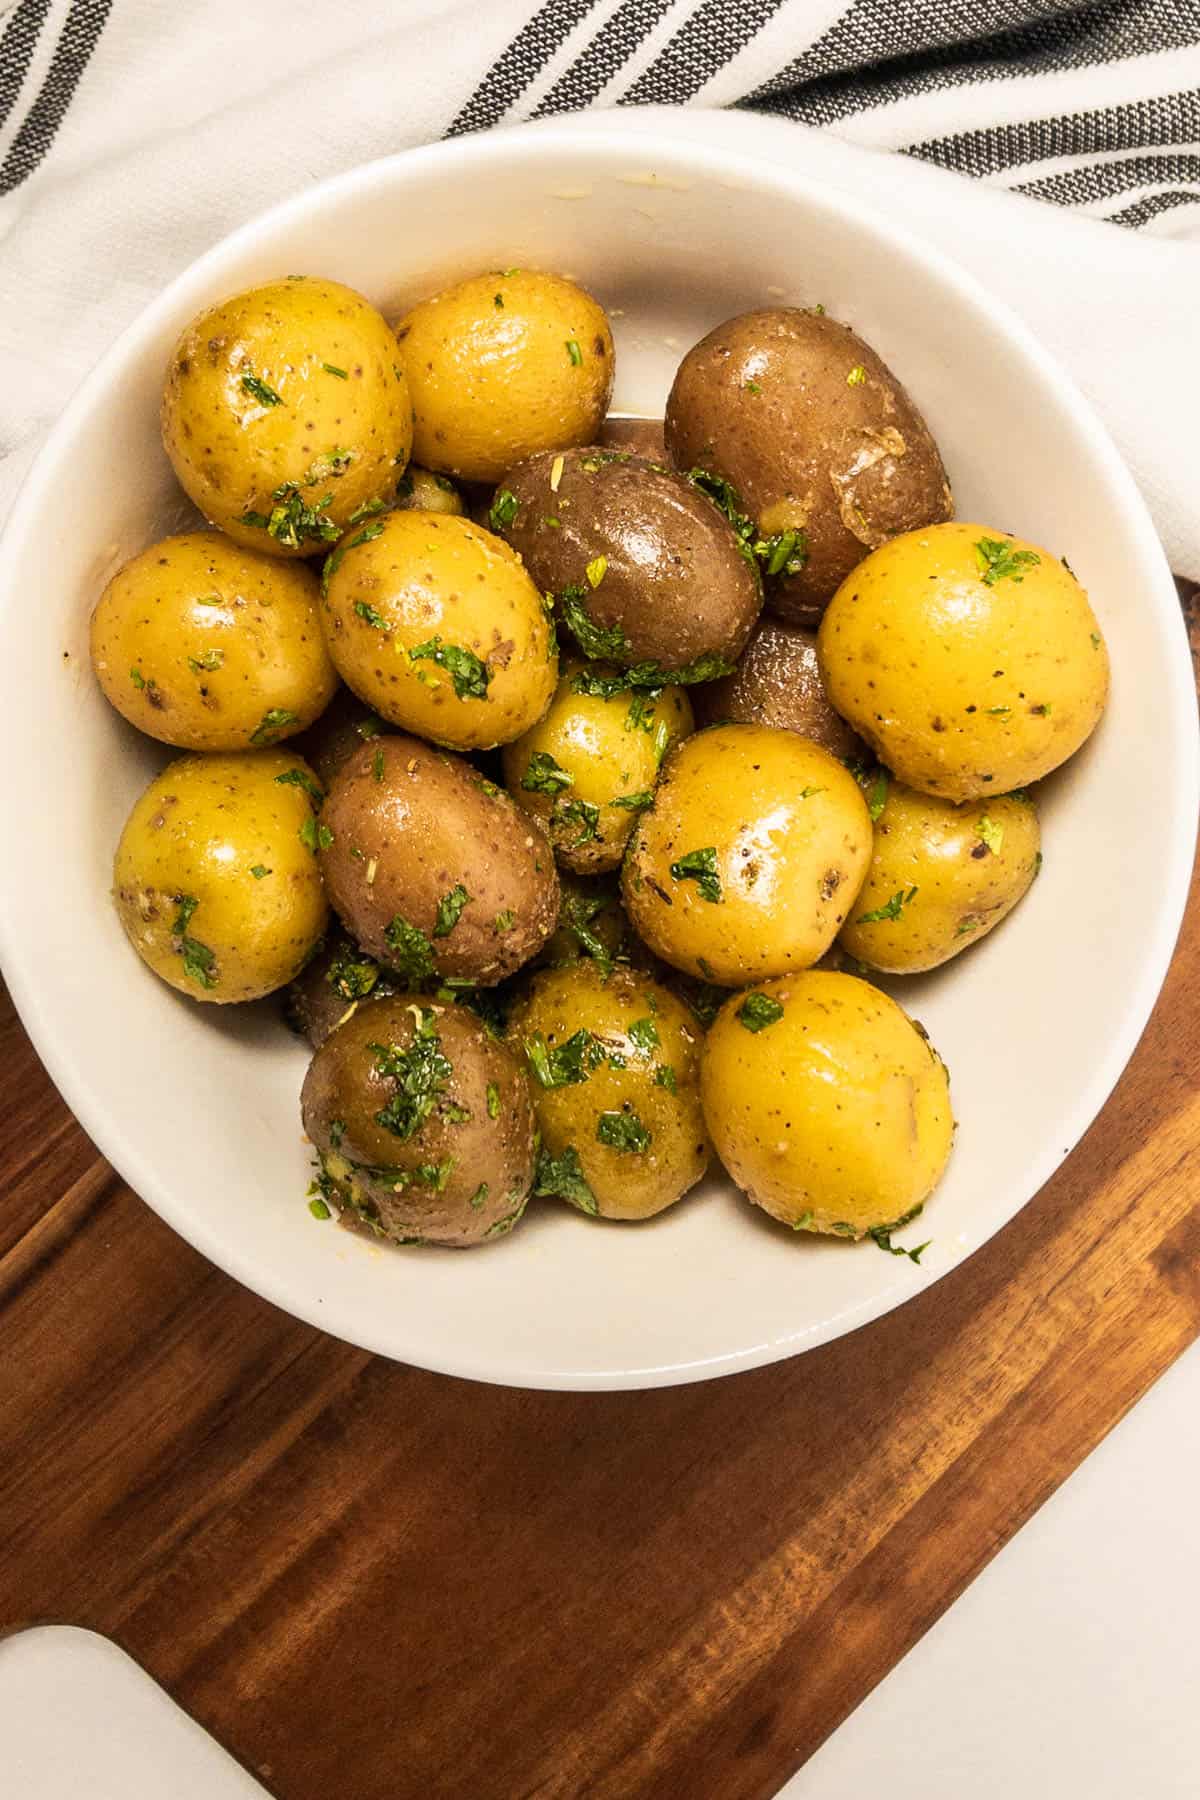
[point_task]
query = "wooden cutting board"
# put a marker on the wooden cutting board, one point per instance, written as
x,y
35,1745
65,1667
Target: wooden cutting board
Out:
x,y
378,1584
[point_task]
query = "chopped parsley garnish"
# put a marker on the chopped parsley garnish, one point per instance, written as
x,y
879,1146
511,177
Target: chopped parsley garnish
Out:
x,y
275,720
757,1011
206,662
562,1176
752,387
596,570
857,376
469,675
664,1077
262,391
318,1208
259,870
808,792
1096,639
634,802
596,641
420,1073
504,509
783,553
644,1033
575,353
998,712
877,794
1038,859
369,615
571,814
700,866
725,497
493,1100
302,779
972,922
992,834
622,1131
578,911
351,974
367,535
412,953
449,911
331,369
199,962
315,837
366,510
292,521
330,567
641,707
138,679
998,561
568,1063
545,776
498,300
479,1197
882,1235
504,921
709,667
892,910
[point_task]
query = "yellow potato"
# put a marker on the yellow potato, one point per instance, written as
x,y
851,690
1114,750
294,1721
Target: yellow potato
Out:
x,y
612,1062
590,765
751,857
969,660
420,491
205,645
216,880
826,1104
436,625
286,414
502,366
941,877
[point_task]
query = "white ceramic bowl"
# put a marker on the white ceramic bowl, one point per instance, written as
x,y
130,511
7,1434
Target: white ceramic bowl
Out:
x,y
198,1106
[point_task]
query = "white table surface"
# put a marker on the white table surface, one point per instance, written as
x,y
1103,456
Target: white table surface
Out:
x,y
1070,1668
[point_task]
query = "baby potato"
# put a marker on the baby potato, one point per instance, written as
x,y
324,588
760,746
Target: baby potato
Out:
x,y
589,767
215,878
422,1124
941,877
750,859
286,414
778,683
613,1064
344,727
502,366
645,568
968,659
433,870
202,644
825,449
826,1104
329,988
435,624
419,490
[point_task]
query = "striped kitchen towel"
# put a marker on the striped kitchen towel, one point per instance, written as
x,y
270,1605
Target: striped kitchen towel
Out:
x,y
134,133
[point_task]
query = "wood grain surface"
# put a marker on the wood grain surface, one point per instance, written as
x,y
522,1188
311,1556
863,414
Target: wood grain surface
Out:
x,y
377,1584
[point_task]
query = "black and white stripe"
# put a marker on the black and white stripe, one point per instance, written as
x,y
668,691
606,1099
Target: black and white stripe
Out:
x,y
897,72
80,33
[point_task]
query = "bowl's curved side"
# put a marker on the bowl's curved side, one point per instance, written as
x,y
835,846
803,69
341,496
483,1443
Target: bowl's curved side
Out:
x,y
674,237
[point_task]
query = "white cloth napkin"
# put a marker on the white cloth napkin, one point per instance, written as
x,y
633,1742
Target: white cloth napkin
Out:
x,y
176,136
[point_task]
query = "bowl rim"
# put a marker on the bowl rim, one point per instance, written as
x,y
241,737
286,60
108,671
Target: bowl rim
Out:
x,y
537,142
